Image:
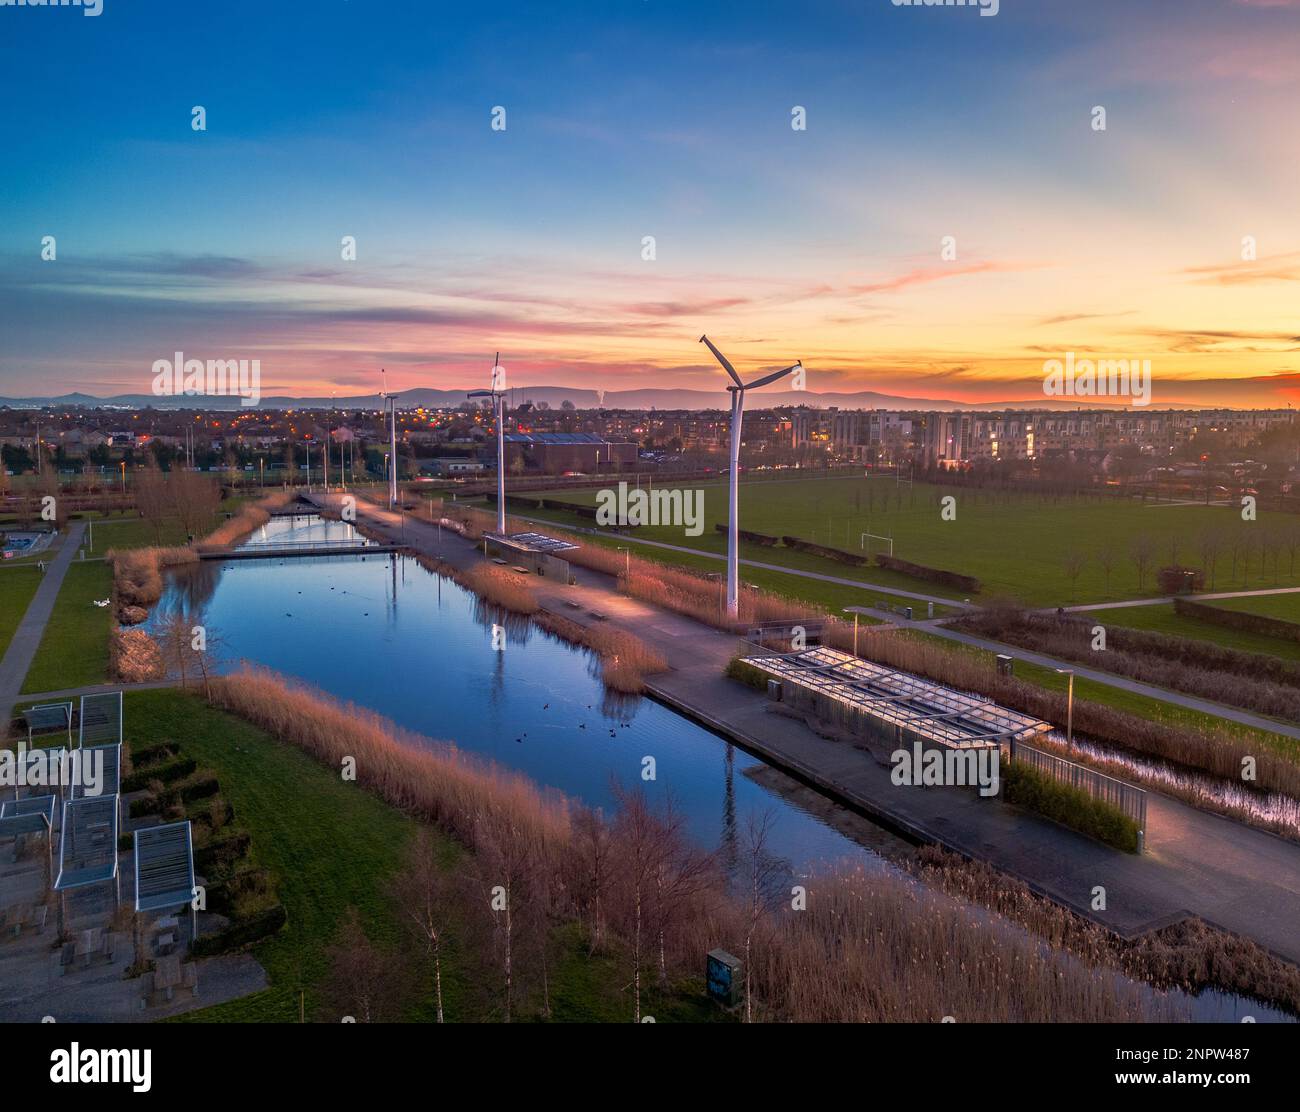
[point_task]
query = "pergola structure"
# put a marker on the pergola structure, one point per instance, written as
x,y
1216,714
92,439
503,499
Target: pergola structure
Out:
x,y
32,815
112,782
88,844
100,718
48,718
904,705
164,869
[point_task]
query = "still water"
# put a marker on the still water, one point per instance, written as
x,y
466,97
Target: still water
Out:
x,y
381,631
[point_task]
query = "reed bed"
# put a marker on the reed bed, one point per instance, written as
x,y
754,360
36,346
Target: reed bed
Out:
x,y
137,572
430,780
1190,955
134,656
871,946
246,521
625,660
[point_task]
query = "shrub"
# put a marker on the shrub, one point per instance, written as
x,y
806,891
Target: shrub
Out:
x,y
738,669
839,555
1073,807
241,933
1176,580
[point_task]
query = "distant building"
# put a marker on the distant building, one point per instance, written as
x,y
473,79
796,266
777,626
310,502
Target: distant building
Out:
x,y
553,453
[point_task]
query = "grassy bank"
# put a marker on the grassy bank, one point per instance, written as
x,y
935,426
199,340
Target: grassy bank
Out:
x,y
17,586
74,648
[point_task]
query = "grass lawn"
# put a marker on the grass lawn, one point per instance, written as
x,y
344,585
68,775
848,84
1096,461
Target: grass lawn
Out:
x,y
1016,544
1285,607
17,586
74,650
131,532
332,845
1162,619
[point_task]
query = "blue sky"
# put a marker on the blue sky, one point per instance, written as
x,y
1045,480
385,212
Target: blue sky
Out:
x,y
637,118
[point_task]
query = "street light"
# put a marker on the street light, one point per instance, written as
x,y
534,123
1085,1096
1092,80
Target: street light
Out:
x,y
855,611
124,476
627,562
1069,707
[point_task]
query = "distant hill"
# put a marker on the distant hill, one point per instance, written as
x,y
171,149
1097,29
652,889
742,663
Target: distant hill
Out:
x,y
555,396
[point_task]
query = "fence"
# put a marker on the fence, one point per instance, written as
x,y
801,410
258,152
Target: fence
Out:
x,y
1128,799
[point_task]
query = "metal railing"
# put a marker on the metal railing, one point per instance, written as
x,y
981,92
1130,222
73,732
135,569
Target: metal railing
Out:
x,y
1132,801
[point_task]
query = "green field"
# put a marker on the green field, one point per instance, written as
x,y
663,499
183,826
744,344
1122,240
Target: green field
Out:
x,y
17,586
1285,607
74,650
1018,545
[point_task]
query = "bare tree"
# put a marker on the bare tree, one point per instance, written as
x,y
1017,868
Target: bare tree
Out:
x,y
763,871
1142,550
593,862
504,861
363,982
422,890
1209,546
1107,558
1073,565
152,499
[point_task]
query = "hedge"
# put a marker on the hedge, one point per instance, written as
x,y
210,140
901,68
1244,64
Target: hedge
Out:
x,y
1238,619
747,674
241,933
746,535
176,770
221,854
961,582
836,554
1027,786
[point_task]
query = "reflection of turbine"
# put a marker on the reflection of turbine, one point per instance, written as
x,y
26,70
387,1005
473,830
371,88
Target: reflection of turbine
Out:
x,y
498,396
391,401
737,412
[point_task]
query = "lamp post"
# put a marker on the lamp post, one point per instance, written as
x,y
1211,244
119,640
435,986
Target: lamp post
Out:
x,y
627,562
124,476
1069,707
855,611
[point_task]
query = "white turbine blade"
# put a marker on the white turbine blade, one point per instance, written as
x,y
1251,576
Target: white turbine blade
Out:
x,y
481,394
771,378
726,365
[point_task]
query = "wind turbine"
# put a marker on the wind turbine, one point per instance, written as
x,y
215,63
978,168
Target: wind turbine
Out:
x,y
498,396
733,526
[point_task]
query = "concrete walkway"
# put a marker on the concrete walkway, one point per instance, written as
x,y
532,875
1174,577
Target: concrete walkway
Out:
x,y
1211,597
27,638
1244,880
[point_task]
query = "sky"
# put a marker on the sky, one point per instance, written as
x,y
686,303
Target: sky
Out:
x,y
629,119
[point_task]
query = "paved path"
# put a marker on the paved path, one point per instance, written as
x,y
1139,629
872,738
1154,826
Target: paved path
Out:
x,y
1190,598
1191,702
27,638
1239,878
